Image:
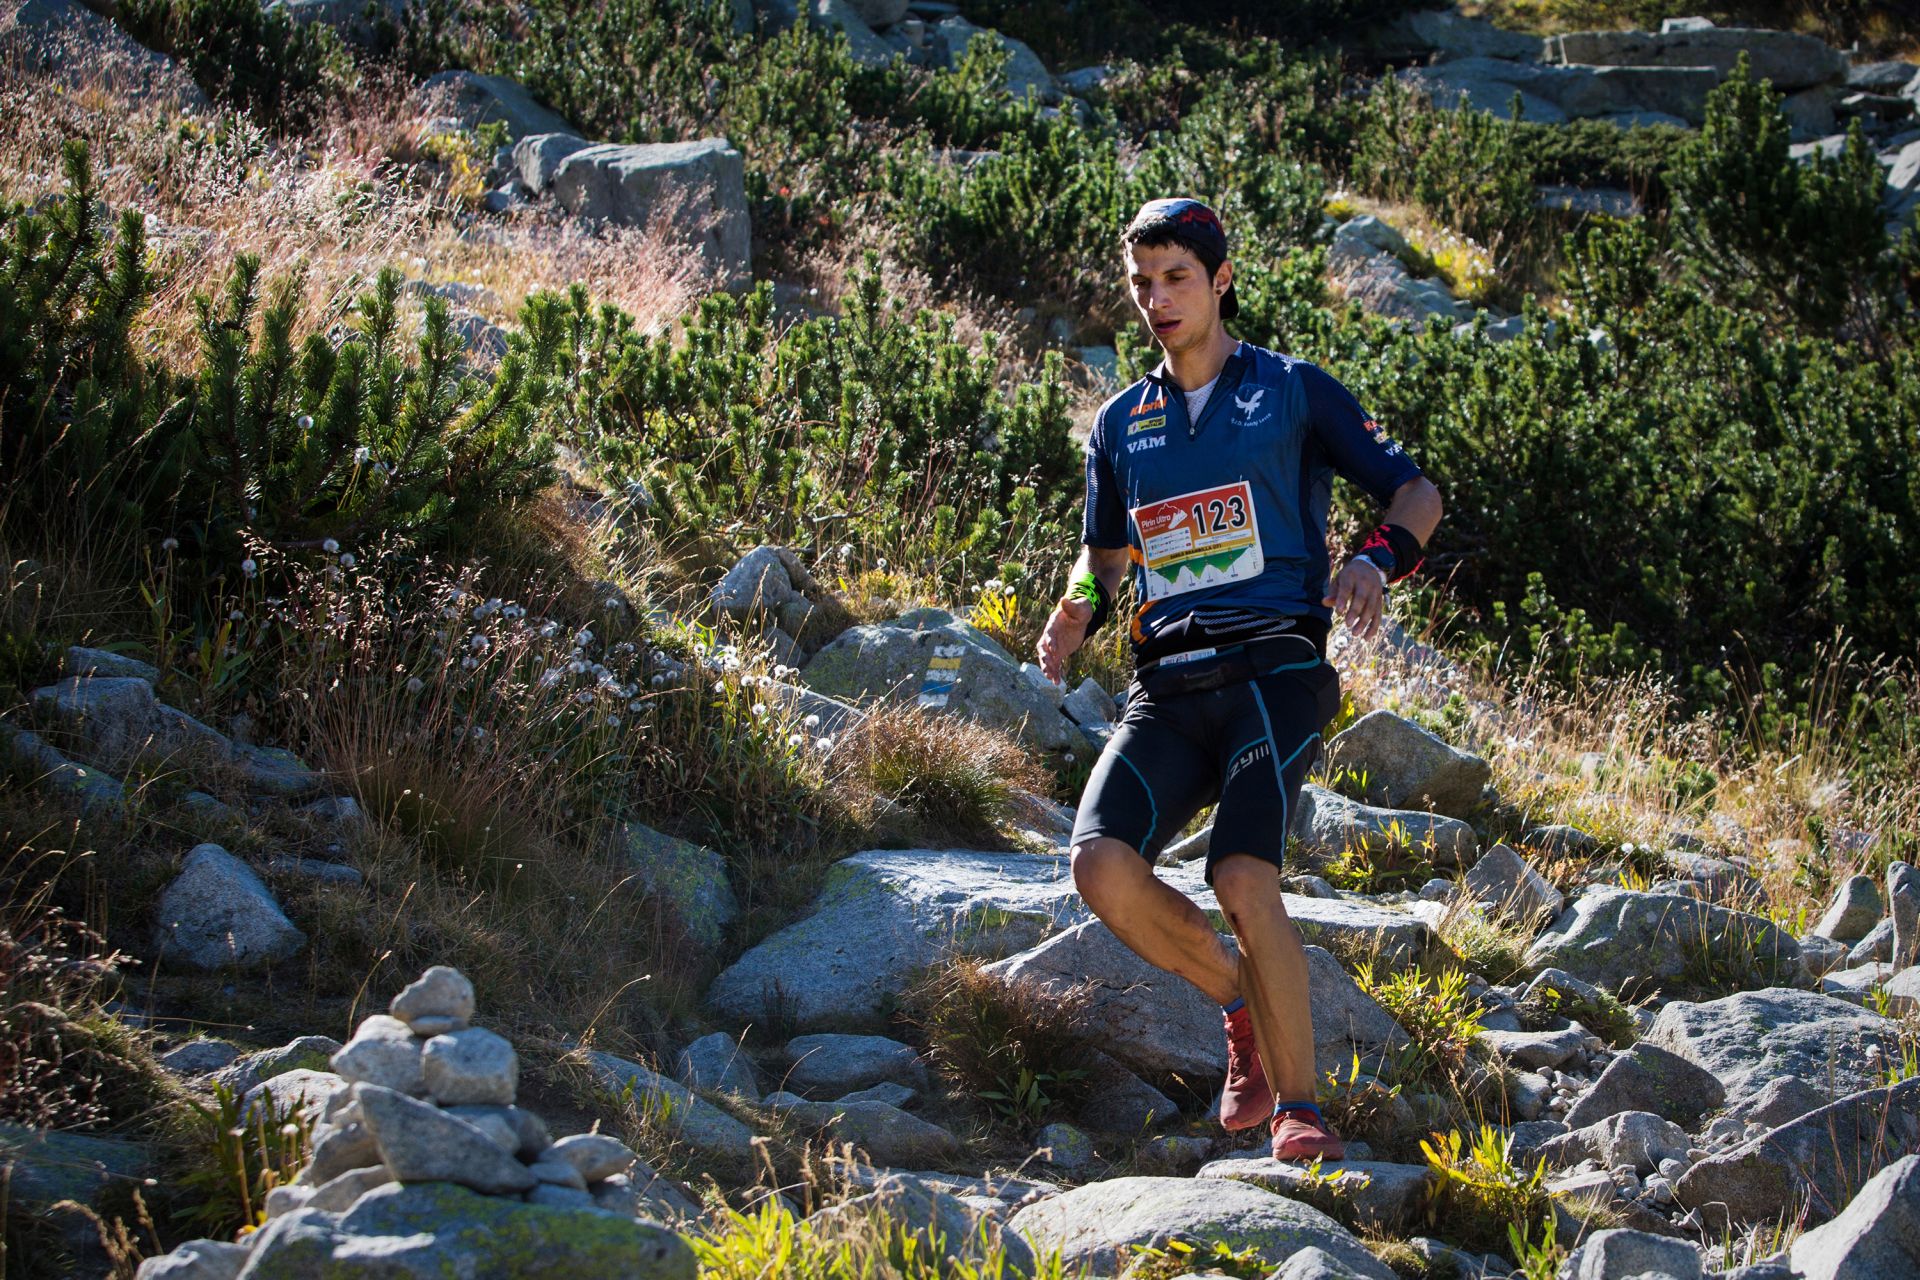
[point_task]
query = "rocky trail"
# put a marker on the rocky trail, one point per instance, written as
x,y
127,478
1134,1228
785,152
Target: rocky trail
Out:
x,y
1776,1086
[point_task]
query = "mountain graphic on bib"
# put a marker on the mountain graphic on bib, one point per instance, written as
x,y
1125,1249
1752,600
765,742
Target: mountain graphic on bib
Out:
x,y
1203,570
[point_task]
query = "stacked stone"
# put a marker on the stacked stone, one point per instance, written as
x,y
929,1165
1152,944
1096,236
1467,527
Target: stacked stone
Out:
x,y
430,1098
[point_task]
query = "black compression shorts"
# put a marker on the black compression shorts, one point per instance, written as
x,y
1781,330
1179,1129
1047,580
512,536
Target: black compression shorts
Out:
x,y
1245,747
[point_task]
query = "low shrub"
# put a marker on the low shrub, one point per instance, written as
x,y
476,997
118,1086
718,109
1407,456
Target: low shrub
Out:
x,y
1597,153
876,428
1603,1014
1467,169
1760,231
1440,1018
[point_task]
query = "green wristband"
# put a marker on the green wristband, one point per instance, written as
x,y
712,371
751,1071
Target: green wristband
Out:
x,y
1089,588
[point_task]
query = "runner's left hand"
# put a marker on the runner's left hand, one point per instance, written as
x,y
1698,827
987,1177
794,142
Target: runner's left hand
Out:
x,y
1358,599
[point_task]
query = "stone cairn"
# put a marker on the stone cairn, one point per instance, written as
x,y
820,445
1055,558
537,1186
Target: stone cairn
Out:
x,y
429,1098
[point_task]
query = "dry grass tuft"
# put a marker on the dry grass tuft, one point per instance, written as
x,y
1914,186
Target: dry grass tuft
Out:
x,y
1027,1054
938,775
1796,798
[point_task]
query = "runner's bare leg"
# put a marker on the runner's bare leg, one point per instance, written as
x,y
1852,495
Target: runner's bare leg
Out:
x,y
1272,972
1161,924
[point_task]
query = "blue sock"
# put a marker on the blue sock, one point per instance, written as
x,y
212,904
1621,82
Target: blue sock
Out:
x,y
1278,1107
1237,1005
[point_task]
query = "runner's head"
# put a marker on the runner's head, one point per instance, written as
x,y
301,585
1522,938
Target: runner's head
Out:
x,y
1177,264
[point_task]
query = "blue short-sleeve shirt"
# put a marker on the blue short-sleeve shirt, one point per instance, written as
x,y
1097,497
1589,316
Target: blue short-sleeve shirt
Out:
x,y
1275,430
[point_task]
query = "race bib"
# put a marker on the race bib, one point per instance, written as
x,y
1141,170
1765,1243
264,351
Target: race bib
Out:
x,y
1199,539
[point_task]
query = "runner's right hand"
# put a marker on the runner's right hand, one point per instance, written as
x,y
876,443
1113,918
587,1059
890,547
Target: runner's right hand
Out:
x,y
1065,632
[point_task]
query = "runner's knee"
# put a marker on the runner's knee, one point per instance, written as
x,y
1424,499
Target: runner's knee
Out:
x,y
1241,880
1103,864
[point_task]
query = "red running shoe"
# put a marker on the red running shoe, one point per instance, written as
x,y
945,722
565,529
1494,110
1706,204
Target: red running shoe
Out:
x,y
1300,1134
1246,1100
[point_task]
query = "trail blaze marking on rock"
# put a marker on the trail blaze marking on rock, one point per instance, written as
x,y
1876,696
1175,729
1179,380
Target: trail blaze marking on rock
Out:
x,y
942,674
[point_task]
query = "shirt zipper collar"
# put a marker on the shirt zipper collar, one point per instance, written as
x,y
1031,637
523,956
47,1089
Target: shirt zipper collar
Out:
x,y
1229,381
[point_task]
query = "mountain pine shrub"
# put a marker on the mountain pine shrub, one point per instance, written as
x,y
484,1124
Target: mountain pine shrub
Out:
x,y
874,426
1758,230
254,57
87,419
1467,169
299,446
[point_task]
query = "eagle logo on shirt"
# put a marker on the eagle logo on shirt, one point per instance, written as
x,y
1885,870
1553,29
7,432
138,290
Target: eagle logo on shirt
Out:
x,y
1248,403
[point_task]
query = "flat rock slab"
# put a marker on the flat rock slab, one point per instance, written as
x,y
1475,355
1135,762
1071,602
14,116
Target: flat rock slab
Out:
x,y
1750,1039
1789,59
1629,941
1161,1025
1098,1225
1812,1166
435,1229
1390,1197
886,914
832,1066
885,1133
45,1167
883,915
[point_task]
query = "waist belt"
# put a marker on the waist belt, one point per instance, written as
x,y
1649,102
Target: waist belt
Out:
x,y
1204,669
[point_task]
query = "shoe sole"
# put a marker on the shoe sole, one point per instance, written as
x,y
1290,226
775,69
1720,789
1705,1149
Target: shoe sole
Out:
x,y
1258,1117
1322,1151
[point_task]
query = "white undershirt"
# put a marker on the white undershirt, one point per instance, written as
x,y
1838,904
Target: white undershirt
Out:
x,y
1197,399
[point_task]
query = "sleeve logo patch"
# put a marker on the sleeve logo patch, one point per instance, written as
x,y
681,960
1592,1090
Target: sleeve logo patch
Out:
x,y
1380,436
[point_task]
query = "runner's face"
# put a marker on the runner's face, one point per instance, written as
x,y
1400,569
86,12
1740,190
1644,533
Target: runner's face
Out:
x,y
1170,287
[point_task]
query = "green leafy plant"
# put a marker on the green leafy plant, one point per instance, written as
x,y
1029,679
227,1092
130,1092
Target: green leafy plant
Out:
x,y
1027,1102
245,1152
1477,1193
1537,1259
1601,1013
1027,1053
1440,1017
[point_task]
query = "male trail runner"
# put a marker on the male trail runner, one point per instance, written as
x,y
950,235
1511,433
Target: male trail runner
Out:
x,y
1210,478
